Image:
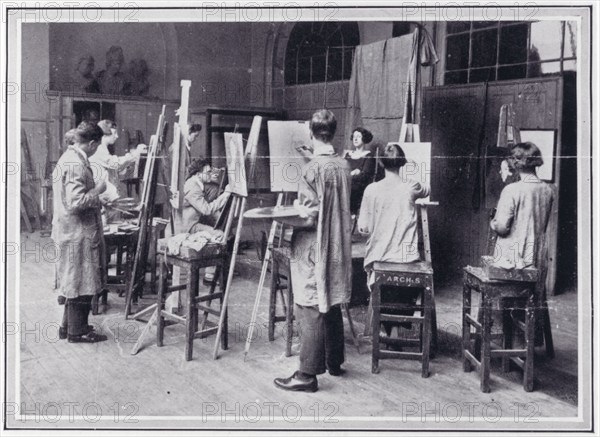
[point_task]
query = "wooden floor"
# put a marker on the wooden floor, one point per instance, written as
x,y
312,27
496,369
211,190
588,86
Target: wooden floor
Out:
x,y
159,382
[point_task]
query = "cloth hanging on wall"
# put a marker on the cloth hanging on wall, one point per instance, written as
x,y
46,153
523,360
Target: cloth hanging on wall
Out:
x,y
378,85
382,75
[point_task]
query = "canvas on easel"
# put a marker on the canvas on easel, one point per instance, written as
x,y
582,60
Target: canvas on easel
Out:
x,y
236,168
286,139
418,163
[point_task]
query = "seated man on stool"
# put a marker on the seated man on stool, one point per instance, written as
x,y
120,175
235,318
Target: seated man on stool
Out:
x,y
321,258
388,215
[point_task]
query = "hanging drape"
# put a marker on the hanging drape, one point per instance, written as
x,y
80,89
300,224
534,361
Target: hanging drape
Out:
x,y
383,74
377,88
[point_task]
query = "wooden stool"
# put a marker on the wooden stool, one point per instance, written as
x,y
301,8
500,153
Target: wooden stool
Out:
x,y
123,242
418,275
281,283
211,255
497,291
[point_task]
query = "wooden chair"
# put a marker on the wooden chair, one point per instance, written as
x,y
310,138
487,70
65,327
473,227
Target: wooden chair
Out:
x,y
191,262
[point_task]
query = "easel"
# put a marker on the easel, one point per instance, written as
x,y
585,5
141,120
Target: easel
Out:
x,y
237,206
146,213
180,147
276,228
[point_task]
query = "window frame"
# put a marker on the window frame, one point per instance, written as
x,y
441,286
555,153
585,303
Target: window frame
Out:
x,y
499,26
291,78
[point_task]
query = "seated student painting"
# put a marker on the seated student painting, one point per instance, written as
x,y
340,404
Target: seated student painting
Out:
x,y
201,202
362,165
523,213
389,217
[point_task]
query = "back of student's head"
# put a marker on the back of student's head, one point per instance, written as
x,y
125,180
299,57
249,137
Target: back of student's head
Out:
x,y
525,156
86,132
393,157
70,137
106,126
323,125
196,127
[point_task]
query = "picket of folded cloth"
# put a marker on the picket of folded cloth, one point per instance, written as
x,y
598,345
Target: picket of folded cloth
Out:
x,y
196,241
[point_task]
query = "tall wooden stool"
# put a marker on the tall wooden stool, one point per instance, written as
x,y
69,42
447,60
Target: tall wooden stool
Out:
x,y
418,275
281,284
123,243
497,291
192,261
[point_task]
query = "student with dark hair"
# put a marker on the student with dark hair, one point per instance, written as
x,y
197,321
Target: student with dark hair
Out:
x,y
389,217
77,231
362,165
523,213
199,212
321,258
108,167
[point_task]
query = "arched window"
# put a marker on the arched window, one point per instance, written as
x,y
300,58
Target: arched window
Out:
x,y
320,52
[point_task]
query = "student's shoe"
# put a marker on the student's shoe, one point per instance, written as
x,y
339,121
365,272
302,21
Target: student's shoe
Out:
x,y
336,371
297,383
62,331
90,337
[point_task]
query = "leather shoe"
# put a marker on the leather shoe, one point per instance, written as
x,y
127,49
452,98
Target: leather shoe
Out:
x,y
62,331
336,371
90,337
295,383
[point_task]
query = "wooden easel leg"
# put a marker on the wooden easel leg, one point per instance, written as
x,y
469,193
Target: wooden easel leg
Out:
x,y
547,330
289,315
275,284
25,217
485,346
236,245
346,309
261,281
434,331
160,301
507,331
192,313
375,301
369,319
426,325
529,344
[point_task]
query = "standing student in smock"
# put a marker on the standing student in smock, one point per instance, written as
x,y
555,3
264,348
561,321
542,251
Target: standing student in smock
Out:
x,y
321,258
77,232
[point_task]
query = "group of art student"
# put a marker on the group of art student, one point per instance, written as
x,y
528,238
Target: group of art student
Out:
x,y
332,188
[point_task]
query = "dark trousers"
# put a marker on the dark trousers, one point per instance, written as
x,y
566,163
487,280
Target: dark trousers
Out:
x,y
405,296
75,316
321,339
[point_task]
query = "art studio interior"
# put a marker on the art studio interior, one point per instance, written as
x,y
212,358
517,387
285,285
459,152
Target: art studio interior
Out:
x,y
194,306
